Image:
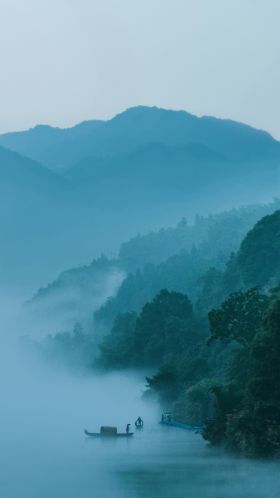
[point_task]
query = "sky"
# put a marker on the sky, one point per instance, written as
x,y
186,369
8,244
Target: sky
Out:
x,y
65,61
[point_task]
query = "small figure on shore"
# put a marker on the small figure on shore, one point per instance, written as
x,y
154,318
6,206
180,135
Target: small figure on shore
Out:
x,y
127,428
139,422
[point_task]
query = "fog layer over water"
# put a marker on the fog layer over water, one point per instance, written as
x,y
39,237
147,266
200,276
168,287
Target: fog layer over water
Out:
x,y
45,454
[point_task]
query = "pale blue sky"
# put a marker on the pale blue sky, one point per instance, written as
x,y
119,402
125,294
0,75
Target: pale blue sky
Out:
x,y
63,61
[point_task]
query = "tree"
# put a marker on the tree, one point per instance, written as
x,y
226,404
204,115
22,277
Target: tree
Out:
x,y
239,317
164,326
258,257
247,416
165,384
117,348
263,388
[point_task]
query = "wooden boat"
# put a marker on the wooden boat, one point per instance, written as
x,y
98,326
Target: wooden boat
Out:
x,y
169,421
108,432
180,425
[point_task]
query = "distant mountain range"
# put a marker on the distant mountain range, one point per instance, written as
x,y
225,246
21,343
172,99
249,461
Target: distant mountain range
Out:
x,y
25,173
40,143
70,193
134,129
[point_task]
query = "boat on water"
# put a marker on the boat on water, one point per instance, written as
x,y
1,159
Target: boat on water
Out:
x,y
106,431
167,419
139,424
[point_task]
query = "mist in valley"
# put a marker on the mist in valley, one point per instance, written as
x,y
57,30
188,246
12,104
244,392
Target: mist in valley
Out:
x,y
49,399
139,249
44,452
44,411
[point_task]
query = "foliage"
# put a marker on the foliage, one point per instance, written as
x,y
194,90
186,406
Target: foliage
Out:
x,y
229,378
247,415
183,258
166,384
206,267
179,273
194,404
74,349
164,327
239,316
258,257
217,235
117,347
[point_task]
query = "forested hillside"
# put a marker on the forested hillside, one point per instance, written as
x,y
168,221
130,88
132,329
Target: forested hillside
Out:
x,y
258,257
224,374
205,268
195,305
204,321
179,258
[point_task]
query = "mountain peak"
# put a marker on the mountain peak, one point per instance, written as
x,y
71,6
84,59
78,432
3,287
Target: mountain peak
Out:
x,y
137,127
148,111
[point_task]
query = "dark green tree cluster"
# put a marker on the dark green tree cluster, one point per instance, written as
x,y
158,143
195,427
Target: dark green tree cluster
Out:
x,y
180,273
230,379
205,330
164,327
247,407
258,257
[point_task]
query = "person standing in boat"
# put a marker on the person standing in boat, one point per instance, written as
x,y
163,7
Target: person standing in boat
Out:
x,y
127,428
139,422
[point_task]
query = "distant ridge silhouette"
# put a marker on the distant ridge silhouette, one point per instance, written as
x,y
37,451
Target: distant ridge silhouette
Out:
x,y
135,128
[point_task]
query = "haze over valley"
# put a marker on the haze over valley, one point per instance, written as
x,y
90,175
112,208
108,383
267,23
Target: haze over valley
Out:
x,y
72,188
139,249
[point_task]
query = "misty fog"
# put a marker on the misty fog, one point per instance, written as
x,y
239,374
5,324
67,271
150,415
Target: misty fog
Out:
x,y
44,452
127,247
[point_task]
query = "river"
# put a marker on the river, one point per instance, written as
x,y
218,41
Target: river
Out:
x,y
44,453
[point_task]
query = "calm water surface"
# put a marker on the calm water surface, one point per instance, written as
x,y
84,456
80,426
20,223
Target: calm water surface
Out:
x,y
44,454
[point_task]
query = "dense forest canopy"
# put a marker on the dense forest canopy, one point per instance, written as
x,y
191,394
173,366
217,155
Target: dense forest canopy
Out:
x,y
223,371
258,257
163,326
188,258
